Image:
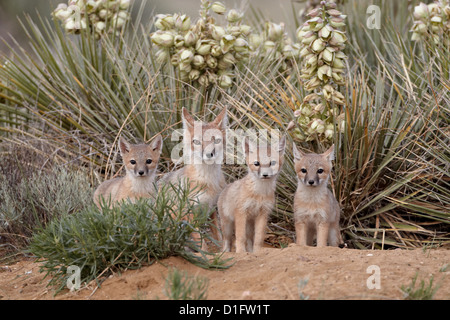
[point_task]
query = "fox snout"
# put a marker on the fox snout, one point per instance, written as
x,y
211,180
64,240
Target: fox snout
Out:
x,y
210,152
141,172
312,181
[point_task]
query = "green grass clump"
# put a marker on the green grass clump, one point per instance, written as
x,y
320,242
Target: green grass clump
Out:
x,y
422,292
181,286
125,236
34,198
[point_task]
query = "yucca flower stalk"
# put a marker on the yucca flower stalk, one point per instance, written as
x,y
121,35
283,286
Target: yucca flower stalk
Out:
x,y
323,66
204,53
100,16
432,21
274,43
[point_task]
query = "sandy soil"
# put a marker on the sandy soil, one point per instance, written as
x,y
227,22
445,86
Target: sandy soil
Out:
x,y
271,274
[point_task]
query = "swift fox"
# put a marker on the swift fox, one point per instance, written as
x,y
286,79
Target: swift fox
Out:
x,y
204,153
316,211
204,148
140,162
244,205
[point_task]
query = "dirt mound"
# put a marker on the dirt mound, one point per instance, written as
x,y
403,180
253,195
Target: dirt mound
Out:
x,y
271,274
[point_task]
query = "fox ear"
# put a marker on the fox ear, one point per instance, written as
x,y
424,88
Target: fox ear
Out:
x,y
222,119
188,120
297,153
124,146
157,144
329,154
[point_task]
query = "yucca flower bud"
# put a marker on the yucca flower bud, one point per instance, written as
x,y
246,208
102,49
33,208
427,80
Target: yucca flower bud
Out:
x,y
245,30
227,43
329,132
234,16
328,55
203,47
124,4
217,33
218,8
194,75
216,51
190,39
225,81
269,45
199,62
337,22
255,40
164,22
318,45
309,37
162,55
162,39
241,45
337,38
274,31
203,80
211,62
61,12
186,56
182,22
229,58
325,32
185,67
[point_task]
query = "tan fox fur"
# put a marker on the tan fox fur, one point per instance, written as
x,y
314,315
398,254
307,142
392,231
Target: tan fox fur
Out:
x,y
140,162
316,210
204,152
244,206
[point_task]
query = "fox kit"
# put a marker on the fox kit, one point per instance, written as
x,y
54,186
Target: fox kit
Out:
x,y
140,162
244,206
204,152
315,207
203,147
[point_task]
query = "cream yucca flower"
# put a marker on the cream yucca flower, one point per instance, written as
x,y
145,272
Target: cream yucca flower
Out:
x,y
323,65
432,21
204,52
99,16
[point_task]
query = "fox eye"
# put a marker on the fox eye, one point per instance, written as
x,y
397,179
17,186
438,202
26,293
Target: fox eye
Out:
x,y
133,162
320,171
303,170
272,163
196,142
149,161
256,163
217,141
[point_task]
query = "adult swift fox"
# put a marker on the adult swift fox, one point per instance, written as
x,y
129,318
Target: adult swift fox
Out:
x,y
316,211
244,205
141,161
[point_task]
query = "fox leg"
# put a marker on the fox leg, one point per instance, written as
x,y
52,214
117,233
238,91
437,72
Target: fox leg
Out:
x,y
322,234
241,231
227,233
250,230
301,231
334,236
260,231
